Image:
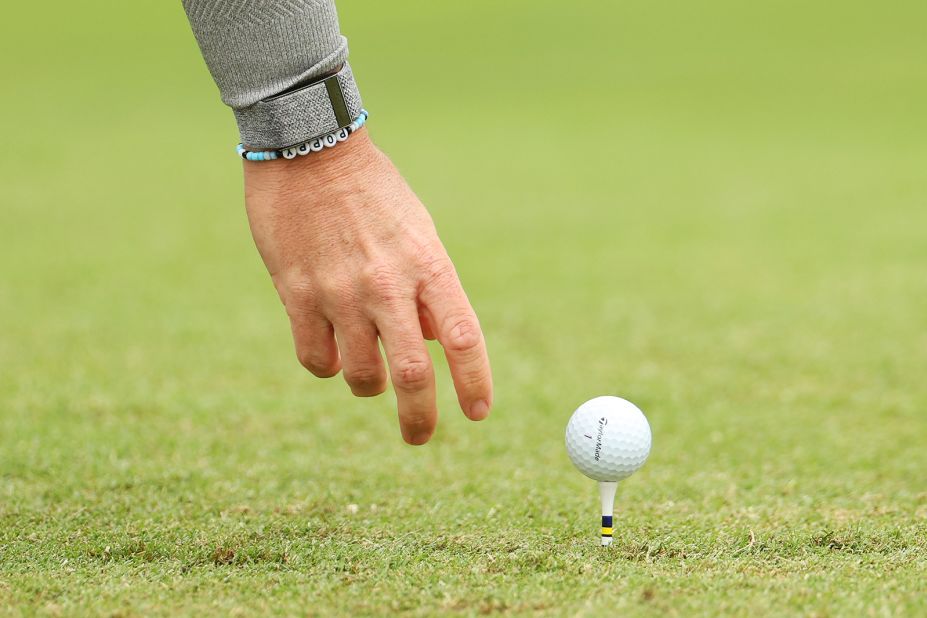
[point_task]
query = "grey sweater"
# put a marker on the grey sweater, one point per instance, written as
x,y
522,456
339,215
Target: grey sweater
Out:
x,y
267,57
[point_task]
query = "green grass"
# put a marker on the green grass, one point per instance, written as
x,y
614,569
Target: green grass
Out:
x,y
716,210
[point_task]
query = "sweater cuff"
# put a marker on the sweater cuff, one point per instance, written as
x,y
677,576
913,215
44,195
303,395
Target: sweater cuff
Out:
x,y
300,115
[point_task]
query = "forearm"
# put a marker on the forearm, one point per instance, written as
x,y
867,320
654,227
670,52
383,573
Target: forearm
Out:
x,y
260,53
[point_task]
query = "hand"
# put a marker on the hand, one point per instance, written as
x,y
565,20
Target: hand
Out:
x,y
355,256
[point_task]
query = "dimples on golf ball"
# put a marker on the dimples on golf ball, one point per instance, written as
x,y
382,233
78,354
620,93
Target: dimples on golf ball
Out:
x,y
608,438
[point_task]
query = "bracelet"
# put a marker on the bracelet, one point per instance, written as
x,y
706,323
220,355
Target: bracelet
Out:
x,y
314,145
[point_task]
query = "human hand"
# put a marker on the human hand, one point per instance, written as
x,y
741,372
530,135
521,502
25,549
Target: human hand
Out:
x,y
355,256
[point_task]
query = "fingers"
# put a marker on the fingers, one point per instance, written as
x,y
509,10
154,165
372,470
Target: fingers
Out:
x,y
315,342
387,304
458,330
360,358
411,372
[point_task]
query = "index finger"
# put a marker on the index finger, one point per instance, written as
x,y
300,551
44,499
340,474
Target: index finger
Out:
x,y
458,330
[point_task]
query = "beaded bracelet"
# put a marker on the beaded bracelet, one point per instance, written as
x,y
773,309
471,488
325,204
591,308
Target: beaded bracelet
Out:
x,y
313,145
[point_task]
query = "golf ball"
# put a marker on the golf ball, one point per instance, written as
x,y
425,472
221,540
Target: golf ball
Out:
x,y
608,438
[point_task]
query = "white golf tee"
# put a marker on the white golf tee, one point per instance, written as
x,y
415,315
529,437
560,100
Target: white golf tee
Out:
x,y
607,491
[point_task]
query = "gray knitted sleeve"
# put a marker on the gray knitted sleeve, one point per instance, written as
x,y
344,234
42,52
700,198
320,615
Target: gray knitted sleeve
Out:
x,y
267,57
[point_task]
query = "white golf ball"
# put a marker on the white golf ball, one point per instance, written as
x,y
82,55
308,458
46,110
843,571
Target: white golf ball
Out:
x,y
608,438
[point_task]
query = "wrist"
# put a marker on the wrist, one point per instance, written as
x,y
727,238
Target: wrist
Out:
x,y
324,169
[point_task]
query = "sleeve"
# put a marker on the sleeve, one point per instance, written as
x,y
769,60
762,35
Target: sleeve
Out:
x,y
281,65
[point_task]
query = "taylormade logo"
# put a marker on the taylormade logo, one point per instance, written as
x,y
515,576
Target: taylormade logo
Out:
x,y
598,441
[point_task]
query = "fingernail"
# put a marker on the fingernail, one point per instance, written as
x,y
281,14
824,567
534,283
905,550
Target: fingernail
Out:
x,y
479,410
416,436
417,439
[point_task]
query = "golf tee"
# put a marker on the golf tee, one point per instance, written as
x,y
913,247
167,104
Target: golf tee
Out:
x,y
607,491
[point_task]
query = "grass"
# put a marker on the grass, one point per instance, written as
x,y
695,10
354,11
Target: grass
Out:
x,y
715,211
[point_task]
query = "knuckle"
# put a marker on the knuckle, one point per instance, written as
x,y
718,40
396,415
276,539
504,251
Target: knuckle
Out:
x,y
462,333
412,373
439,272
382,281
311,360
363,377
337,300
297,297
333,288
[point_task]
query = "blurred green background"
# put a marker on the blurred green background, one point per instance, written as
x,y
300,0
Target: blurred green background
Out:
x,y
715,209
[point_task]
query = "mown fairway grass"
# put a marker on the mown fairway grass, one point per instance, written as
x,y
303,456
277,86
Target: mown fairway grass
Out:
x,y
717,212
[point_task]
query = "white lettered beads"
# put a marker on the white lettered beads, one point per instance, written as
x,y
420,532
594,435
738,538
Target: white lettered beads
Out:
x,y
316,144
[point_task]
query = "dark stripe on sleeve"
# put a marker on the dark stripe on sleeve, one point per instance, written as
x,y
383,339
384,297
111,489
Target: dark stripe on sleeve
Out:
x,y
342,115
